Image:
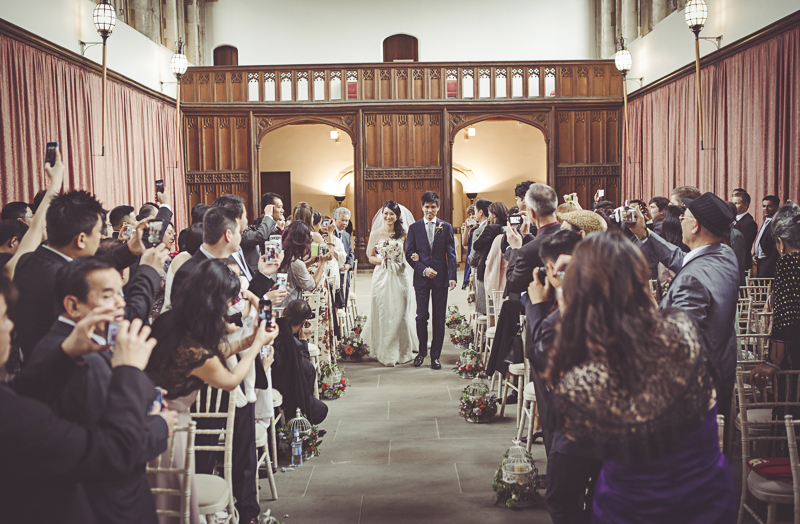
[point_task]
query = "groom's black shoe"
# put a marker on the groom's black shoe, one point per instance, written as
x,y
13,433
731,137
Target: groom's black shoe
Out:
x,y
435,364
419,360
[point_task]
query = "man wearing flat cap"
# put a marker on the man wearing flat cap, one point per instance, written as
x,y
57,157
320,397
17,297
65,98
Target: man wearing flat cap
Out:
x,y
706,283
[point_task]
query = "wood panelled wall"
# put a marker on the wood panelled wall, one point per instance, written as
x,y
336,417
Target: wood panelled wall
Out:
x,y
402,123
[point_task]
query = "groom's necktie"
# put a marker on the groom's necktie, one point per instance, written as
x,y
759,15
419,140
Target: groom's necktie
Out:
x,y
429,228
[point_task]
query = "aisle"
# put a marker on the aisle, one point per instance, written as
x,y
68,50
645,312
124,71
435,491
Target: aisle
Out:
x,y
397,451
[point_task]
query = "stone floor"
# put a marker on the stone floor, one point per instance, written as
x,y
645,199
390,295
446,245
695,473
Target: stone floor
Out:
x,y
397,451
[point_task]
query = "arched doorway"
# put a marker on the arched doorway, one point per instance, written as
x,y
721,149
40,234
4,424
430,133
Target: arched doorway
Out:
x,y
493,158
307,161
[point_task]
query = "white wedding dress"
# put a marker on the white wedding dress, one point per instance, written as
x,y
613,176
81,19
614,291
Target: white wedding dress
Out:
x,y
390,331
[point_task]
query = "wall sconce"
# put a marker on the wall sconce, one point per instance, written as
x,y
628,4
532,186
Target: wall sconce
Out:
x,y
696,16
624,61
339,199
469,132
104,18
472,197
335,134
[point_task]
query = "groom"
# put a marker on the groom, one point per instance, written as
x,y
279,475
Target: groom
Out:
x,y
432,241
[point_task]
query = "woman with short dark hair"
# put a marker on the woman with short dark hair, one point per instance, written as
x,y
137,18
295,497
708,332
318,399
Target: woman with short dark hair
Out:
x,y
633,383
296,251
481,245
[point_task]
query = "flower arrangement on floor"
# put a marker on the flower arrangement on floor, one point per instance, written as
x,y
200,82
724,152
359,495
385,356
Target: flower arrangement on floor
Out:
x,y
311,442
332,382
353,348
462,335
358,324
517,480
477,405
454,317
468,364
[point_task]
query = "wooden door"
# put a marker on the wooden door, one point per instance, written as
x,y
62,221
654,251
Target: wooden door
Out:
x,y
279,182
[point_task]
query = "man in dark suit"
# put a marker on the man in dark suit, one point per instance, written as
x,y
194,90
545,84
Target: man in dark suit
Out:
x,y
89,291
434,273
341,216
49,455
119,217
657,206
744,220
74,223
523,254
572,468
765,254
706,283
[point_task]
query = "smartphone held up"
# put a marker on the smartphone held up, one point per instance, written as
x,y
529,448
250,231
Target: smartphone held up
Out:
x,y
50,154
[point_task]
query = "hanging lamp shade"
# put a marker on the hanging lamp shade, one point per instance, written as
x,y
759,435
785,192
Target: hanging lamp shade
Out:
x,y
696,14
623,60
104,18
179,63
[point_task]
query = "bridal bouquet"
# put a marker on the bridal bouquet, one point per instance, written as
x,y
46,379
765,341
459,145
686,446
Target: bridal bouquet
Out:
x,y
332,382
462,335
390,250
454,317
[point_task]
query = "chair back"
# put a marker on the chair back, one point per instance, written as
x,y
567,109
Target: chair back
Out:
x,y
164,465
790,435
759,289
315,302
781,394
353,275
751,350
208,406
498,300
744,312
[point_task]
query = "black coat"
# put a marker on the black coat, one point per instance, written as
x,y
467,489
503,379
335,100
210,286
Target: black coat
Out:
x,y
254,237
481,247
45,457
288,373
767,265
747,225
259,285
83,398
522,262
35,275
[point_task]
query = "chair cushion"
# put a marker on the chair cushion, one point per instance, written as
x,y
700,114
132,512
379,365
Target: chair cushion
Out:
x,y
212,493
755,415
516,369
313,350
773,487
482,319
262,437
529,393
773,468
491,331
277,398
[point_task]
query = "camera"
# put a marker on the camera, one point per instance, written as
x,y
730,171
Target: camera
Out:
x,y
265,311
326,223
126,233
282,280
278,240
112,328
271,250
155,233
471,222
560,273
515,219
541,274
266,351
623,215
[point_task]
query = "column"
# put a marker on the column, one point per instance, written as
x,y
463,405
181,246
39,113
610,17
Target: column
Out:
x,y
630,20
659,11
170,23
192,32
147,18
607,25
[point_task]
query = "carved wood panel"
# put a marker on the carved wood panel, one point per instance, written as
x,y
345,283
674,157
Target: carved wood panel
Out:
x,y
402,140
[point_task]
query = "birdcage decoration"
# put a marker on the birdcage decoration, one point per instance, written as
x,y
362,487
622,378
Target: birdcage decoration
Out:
x,y
267,518
516,480
332,382
477,404
299,423
469,364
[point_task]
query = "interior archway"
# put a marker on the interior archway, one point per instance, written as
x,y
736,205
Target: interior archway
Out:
x,y
318,166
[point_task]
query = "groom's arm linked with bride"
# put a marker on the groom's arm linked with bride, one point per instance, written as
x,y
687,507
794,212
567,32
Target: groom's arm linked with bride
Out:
x,y
434,274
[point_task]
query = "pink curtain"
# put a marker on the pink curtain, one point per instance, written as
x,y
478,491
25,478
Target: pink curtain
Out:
x,y
44,98
751,128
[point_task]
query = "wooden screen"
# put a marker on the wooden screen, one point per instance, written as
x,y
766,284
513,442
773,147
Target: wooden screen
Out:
x,y
400,47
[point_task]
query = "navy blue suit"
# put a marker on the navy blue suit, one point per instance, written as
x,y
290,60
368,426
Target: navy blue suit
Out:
x,y
441,257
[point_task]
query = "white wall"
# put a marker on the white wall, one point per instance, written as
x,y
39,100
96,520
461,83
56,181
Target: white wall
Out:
x,y
65,22
670,45
351,31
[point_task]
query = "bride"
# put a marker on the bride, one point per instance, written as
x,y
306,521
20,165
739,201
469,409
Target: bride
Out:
x,y
389,330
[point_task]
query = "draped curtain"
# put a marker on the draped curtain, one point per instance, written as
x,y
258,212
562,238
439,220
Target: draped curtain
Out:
x,y
44,98
751,128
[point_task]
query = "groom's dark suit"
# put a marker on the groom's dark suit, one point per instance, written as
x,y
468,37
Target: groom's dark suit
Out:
x,y
441,257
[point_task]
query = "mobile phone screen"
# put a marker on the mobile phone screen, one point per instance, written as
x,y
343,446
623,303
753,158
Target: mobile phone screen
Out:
x,y
50,154
159,186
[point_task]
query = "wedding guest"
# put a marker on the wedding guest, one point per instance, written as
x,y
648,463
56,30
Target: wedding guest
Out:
x,y
89,294
706,283
520,190
765,256
74,222
497,218
49,455
466,240
294,375
17,211
11,234
744,220
657,206
198,212
193,240
119,217
296,249
677,195
190,353
633,384
168,240
341,217
785,334
252,239
582,222
737,243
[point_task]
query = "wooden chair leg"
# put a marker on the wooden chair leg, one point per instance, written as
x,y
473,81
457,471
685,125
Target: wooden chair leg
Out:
x,y
273,438
520,390
505,394
268,463
772,512
522,422
534,419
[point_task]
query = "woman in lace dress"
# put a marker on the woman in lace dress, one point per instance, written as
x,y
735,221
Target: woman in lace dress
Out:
x,y
633,384
388,331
